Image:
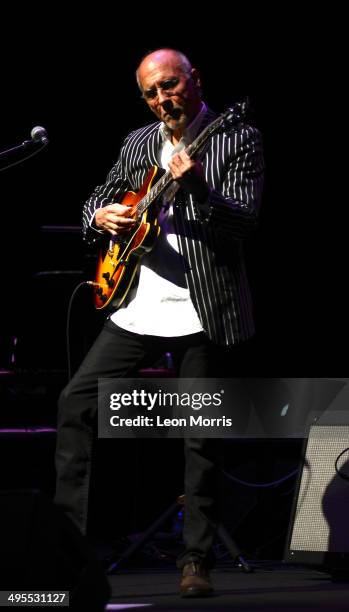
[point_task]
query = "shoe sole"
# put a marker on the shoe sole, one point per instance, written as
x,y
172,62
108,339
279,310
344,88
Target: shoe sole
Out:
x,y
197,593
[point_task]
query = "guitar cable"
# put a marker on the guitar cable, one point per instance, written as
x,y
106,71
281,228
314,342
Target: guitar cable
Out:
x,y
82,284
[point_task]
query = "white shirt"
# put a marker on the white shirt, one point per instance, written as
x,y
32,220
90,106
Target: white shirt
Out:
x,y
161,303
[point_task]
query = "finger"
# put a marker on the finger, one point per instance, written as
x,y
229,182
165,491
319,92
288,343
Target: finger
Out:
x,y
125,221
124,210
110,231
116,229
174,167
187,162
124,230
110,226
118,209
184,156
176,160
113,218
175,172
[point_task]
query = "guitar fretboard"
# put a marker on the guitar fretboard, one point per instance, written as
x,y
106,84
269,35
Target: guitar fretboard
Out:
x,y
230,117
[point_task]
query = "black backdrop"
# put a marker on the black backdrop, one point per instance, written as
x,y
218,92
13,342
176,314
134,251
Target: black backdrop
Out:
x,y
75,76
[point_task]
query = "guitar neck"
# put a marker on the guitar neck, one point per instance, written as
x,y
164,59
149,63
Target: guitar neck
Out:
x,y
193,150
154,193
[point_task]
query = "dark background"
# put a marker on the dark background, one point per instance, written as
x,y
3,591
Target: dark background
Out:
x,y
77,80
75,76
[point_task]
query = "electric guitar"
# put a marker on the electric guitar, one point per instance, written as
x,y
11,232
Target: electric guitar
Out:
x,y
119,260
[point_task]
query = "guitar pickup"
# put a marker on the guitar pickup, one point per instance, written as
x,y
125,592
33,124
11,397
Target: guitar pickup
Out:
x,y
110,282
102,296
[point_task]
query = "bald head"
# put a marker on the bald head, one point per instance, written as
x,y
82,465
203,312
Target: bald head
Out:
x,y
170,57
170,87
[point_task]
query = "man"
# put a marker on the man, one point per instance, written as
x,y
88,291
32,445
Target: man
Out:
x,y
191,296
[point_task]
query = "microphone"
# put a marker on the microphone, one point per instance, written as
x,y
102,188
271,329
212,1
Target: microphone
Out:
x,y
39,134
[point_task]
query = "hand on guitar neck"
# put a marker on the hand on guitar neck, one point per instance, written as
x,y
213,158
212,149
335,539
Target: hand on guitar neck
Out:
x,y
119,260
114,218
190,175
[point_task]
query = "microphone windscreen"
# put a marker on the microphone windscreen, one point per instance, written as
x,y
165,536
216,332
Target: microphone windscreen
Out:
x,y
39,134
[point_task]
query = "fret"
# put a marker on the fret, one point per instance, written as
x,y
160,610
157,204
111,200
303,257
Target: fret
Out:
x,y
229,118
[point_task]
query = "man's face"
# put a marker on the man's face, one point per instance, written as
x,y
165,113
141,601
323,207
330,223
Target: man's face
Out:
x,y
171,93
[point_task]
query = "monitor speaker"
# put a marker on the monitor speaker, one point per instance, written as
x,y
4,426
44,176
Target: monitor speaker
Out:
x,y
319,526
42,550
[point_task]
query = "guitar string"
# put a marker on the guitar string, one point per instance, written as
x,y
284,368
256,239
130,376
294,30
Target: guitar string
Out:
x,y
157,189
191,149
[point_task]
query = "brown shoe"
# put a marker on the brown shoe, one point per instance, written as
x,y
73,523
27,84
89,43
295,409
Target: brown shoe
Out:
x,y
195,581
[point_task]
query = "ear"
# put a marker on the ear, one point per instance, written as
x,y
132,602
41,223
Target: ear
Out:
x,y
196,77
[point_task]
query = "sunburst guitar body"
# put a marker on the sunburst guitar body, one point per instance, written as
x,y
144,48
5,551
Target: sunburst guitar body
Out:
x,y
118,261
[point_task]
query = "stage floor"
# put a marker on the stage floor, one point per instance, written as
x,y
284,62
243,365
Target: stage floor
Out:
x,y
271,587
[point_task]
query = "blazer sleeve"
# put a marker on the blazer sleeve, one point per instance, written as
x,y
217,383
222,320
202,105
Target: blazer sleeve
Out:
x,y
234,207
116,185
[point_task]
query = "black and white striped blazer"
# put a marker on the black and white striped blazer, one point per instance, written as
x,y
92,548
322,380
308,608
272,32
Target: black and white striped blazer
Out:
x,y
210,235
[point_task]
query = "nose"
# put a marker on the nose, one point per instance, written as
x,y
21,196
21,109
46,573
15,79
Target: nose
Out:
x,y
167,105
163,96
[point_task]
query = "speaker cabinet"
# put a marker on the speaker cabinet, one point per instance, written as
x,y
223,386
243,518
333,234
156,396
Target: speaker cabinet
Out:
x,y
319,528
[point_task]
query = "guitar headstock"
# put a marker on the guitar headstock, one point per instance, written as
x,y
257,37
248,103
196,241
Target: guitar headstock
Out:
x,y
235,114
224,123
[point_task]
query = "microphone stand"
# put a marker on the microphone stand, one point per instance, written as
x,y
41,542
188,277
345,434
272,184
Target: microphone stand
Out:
x,y
25,145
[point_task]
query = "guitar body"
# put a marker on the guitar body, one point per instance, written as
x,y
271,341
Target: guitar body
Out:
x,y
118,262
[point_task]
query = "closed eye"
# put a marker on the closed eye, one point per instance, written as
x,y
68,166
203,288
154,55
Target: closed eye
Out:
x,y
169,84
166,85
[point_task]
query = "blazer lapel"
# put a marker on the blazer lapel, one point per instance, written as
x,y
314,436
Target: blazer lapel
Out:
x,y
154,142
208,118
153,146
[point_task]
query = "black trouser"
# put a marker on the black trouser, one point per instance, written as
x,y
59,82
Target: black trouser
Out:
x,y
119,353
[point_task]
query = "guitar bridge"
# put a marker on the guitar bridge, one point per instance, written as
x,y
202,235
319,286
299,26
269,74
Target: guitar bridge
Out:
x,y
110,282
